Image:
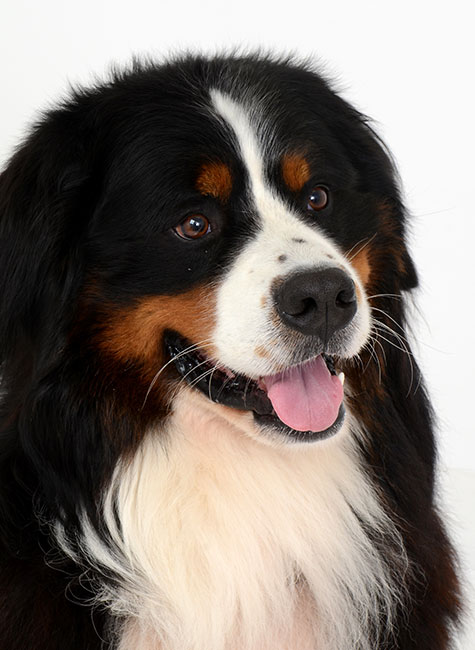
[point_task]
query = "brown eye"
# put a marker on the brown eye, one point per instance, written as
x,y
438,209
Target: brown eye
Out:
x,y
318,199
193,227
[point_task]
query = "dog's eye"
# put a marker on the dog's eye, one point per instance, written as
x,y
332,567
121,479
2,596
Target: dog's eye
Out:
x,y
318,199
193,227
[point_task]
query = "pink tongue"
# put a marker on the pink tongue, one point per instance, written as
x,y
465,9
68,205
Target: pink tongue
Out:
x,y
306,397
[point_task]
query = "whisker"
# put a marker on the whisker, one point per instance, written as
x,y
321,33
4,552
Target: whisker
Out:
x,y
206,373
401,340
373,356
390,318
182,384
413,336
201,363
210,380
360,249
203,343
396,296
225,383
357,358
402,349
355,245
380,371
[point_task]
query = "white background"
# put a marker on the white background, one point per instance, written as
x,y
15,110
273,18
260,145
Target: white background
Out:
x,y
409,65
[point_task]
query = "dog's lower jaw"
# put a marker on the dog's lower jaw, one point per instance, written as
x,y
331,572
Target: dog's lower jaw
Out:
x,y
218,533
245,424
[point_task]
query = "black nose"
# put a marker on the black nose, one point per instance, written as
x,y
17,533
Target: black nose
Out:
x,y
317,303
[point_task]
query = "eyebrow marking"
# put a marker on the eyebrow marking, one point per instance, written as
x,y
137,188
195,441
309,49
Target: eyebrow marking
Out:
x,y
214,179
295,171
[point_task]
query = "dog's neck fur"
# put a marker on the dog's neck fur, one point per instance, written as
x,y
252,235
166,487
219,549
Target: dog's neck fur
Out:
x,y
227,543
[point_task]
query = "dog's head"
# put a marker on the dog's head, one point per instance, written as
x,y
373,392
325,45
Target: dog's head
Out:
x,y
224,223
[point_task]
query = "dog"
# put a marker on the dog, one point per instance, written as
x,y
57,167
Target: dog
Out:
x,y
214,434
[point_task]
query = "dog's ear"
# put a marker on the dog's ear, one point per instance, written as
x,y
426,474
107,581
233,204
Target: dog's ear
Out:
x,y
380,165
45,198
370,155
409,278
394,213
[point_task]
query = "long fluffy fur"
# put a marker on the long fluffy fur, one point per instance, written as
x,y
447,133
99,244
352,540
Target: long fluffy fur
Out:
x,y
213,535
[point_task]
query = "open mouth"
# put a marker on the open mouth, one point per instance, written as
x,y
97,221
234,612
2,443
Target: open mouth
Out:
x,y
304,402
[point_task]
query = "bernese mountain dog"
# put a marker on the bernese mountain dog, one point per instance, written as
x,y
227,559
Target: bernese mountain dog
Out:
x,y
214,434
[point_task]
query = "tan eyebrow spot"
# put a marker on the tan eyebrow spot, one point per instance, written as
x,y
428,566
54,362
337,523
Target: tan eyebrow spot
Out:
x,y
214,179
295,171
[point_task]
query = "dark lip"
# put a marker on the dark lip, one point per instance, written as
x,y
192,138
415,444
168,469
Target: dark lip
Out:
x,y
237,391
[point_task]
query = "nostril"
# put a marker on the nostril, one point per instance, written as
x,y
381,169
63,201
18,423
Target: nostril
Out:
x,y
308,305
302,307
346,297
294,302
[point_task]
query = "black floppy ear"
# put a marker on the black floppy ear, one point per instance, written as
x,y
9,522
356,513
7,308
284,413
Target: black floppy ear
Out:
x,y
394,228
44,200
409,278
369,154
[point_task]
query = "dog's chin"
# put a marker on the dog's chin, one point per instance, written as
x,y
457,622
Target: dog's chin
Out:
x,y
242,395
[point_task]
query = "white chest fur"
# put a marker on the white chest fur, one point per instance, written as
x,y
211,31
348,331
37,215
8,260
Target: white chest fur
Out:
x,y
227,543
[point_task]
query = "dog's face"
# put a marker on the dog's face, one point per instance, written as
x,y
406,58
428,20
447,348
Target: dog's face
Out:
x,y
231,220
235,237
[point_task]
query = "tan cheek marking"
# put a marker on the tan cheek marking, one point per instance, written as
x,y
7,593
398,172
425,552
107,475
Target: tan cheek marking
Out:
x,y
360,262
295,171
215,180
135,333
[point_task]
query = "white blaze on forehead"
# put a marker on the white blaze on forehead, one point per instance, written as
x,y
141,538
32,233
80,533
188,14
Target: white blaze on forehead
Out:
x,y
237,118
245,312
250,136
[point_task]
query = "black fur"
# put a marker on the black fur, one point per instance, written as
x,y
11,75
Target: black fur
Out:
x,y
86,207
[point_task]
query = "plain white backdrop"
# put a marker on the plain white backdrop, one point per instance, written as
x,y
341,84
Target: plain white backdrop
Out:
x,y
409,65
